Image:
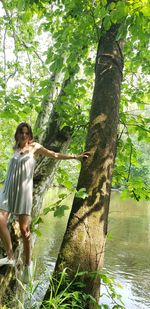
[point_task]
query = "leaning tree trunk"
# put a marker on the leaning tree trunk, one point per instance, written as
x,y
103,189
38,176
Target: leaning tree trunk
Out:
x,y
84,240
53,138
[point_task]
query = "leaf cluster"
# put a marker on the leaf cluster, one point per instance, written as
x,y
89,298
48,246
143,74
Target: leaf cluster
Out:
x,y
68,293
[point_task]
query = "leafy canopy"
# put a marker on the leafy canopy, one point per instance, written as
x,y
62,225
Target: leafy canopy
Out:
x,y
49,47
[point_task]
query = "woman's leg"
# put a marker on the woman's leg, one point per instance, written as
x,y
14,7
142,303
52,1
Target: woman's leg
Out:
x,y
5,234
24,222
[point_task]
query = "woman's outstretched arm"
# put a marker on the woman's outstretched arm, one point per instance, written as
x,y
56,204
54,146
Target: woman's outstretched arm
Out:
x,y
60,156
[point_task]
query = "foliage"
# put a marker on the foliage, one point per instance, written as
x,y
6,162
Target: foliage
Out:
x,y
58,208
66,294
133,176
48,48
34,72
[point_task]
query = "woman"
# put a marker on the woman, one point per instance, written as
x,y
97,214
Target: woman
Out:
x,y
16,197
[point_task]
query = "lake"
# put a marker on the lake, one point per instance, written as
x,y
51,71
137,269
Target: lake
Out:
x,y
127,253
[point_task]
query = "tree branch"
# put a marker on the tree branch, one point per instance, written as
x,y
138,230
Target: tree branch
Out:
x,y
34,51
4,52
139,126
20,40
130,159
95,25
130,163
119,137
14,37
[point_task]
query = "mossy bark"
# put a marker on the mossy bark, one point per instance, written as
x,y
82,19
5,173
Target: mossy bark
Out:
x,y
84,240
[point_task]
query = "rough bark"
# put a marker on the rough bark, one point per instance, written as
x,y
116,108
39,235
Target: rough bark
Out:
x,y
84,240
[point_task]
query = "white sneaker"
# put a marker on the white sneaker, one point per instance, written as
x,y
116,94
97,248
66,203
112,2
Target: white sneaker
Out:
x,y
27,276
7,261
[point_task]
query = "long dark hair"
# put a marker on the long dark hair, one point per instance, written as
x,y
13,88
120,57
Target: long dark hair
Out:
x,y
19,130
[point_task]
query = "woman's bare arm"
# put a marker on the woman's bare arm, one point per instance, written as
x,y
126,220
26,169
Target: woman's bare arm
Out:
x,y
60,156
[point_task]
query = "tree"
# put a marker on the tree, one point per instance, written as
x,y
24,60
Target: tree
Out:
x,y
60,78
84,241
56,137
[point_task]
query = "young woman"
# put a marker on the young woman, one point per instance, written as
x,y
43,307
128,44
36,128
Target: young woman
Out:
x,y
16,196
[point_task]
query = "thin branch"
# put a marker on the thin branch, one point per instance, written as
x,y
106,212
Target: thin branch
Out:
x,y
18,38
4,7
95,25
110,296
4,52
143,103
130,159
135,195
134,125
5,63
119,137
137,125
135,110
14,37
16,60
38,56
130,163
30,69
34,51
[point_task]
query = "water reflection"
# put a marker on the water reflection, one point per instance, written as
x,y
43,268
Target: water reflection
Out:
x,y
52,231
127,253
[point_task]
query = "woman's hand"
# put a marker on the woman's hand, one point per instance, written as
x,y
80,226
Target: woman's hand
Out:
x,y
83,156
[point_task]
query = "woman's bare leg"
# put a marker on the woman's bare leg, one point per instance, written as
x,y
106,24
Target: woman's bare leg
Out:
x,y
5,234
24,222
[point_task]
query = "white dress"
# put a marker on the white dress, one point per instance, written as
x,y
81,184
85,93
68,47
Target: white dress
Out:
x,y
16,195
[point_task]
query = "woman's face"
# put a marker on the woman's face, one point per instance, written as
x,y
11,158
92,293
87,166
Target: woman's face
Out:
x,y
23,135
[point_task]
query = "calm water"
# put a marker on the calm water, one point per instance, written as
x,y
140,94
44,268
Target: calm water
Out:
x,y
127,254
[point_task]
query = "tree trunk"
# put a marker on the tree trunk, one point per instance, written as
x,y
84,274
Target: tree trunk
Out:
x,y
84,240
52,138
56,139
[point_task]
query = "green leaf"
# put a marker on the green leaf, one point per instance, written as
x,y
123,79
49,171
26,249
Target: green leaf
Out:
x,y
104,2
107,22
146,10
59,212
38,233
112,5
68,184
81,193
20,4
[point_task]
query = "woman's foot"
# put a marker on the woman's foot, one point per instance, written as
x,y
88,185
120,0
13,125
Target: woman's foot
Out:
x,y
7,261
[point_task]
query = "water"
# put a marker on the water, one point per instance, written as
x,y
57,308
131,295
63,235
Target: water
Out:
x,y
127,253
